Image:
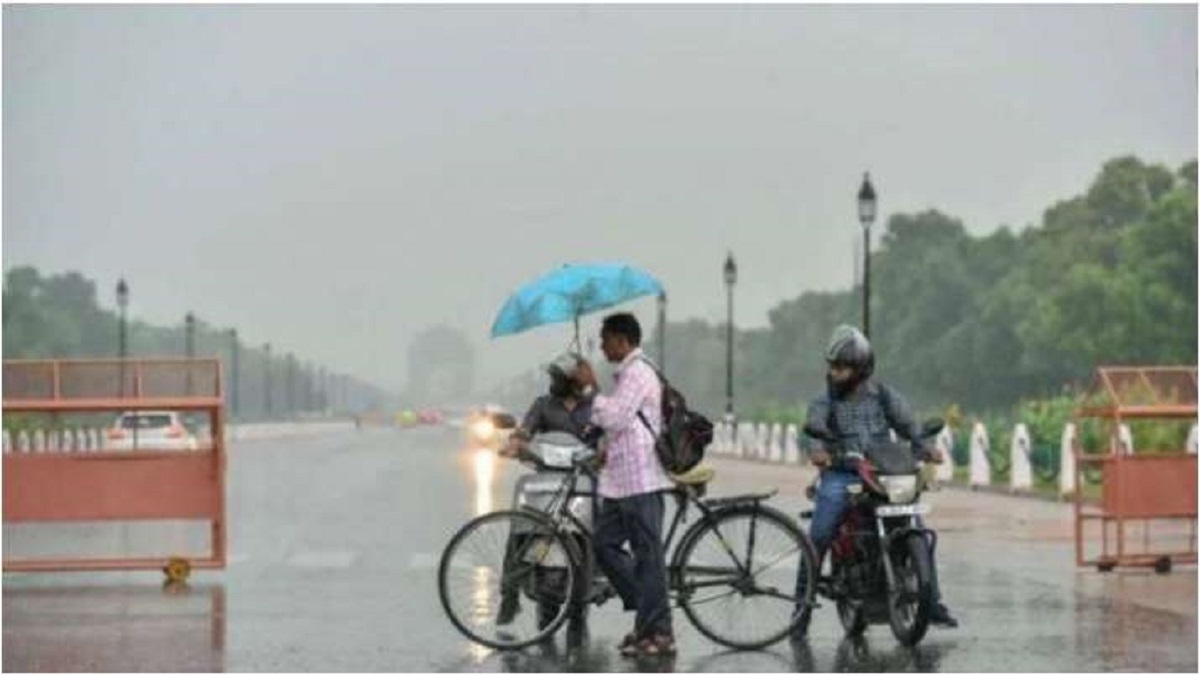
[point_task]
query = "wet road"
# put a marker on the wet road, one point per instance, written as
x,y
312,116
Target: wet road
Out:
x,y
334,543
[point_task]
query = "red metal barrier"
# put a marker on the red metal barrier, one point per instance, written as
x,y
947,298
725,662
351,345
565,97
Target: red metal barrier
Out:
x,y
144,484
1137,488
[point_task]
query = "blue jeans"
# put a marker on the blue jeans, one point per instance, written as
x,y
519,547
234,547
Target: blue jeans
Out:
x,y
640,579
832,502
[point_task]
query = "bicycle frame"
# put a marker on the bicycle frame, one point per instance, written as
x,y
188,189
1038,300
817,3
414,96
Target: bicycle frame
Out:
x,y
560,514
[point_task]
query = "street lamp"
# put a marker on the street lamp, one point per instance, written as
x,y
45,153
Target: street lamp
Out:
x,y
267,379
866,216
122,345
730,279
662,331
189,346
290,382
233,372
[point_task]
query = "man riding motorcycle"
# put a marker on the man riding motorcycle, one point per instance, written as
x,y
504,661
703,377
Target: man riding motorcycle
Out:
x,y
860,412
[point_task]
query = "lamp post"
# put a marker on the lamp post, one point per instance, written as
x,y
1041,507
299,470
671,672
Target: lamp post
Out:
x,y
730,279
234,357
122,345
662,331
189,346
290,383
866,216
267,379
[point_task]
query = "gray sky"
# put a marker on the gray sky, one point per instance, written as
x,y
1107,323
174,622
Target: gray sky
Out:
x,y
334,179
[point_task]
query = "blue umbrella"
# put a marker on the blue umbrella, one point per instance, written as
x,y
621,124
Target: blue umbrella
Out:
x,y
570,292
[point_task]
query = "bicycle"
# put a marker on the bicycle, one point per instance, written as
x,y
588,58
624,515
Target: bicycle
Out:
x,y
725,591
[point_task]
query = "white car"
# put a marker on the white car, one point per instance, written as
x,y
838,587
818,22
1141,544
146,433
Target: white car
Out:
x,y
155,430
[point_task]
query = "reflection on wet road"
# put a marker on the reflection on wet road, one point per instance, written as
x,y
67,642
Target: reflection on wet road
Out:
x,y
335,542
115,628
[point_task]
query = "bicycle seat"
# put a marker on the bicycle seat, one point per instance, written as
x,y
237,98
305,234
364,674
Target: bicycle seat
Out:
x,y
697,475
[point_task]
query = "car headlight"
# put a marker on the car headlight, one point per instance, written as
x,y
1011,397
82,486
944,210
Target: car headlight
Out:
x,y
900,489
483,429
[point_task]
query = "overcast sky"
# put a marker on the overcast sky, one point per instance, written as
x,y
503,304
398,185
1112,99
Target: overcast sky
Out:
x,y
335,179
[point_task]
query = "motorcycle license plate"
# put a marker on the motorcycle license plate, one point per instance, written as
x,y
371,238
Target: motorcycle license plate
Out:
x,y
902,510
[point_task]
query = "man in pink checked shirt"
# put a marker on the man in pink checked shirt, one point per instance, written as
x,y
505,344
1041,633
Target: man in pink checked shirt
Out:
x,y
631,485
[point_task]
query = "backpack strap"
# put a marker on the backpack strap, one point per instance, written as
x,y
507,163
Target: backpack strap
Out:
x,y
645,421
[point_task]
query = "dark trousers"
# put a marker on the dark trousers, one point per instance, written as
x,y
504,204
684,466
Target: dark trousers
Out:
x,y
640,579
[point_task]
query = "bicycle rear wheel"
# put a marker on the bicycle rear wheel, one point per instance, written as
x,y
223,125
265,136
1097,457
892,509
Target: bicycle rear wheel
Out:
x,y
737,575
512,558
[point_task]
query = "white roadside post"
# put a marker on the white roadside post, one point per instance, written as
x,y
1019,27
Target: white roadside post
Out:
x,y
776,442
791,449
1020,474
981,470
1192,441
1125,439
945,443
745,440
1066,462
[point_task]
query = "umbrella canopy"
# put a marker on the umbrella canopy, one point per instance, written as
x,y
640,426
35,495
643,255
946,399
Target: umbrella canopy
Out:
x,y
570,292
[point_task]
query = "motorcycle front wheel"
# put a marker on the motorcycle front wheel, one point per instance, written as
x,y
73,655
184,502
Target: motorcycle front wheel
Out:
x,y
910,602
850,612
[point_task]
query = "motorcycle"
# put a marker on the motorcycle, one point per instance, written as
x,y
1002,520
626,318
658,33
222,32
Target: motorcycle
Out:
x,y
882,555
550,455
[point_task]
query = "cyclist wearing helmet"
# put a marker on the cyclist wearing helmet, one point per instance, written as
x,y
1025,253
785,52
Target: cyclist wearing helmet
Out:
x,y
859,412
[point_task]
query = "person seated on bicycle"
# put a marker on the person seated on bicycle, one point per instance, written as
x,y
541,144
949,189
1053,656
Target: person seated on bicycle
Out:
x,y
566,408
860,412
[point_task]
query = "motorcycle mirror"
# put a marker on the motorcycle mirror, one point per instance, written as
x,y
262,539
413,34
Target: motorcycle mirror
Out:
x,y
932,427
818,433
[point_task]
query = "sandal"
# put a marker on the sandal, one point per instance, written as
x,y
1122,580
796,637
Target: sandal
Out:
x,y
658,645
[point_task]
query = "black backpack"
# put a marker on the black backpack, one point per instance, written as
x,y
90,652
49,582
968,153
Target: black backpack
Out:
x,y
686,433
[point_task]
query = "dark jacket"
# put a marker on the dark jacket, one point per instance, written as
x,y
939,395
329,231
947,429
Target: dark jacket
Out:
x,y
861,419
548,414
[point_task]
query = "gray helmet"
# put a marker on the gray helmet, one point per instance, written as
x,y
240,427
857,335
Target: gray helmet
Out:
x,y
562,372
849,347
564,365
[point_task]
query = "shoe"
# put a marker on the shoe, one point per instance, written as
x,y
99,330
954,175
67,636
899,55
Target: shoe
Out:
x,y
510,605
656,645
940,616
603,595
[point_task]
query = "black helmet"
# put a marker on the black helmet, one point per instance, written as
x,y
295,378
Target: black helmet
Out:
x,y
849,347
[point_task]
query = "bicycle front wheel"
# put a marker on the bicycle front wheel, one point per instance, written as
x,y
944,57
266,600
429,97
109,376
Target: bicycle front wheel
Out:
x,y
737,575
496,573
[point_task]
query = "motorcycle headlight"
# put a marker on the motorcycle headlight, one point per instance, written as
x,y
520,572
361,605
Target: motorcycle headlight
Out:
x,y
900,489
483,429
557,456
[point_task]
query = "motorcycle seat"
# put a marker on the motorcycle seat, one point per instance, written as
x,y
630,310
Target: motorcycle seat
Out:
x,y
697,475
